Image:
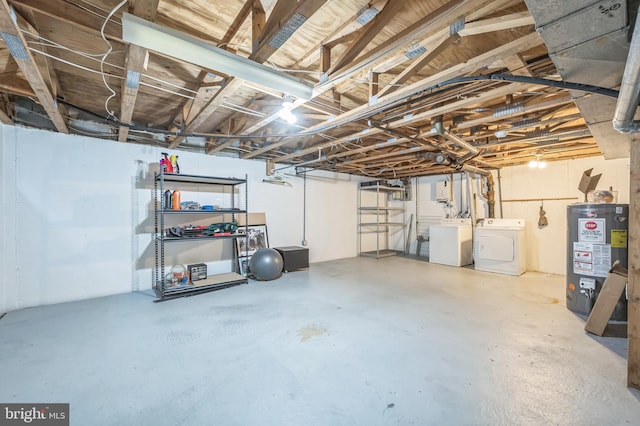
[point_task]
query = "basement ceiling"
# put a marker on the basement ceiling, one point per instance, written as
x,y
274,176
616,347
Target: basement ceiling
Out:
x,y
400,88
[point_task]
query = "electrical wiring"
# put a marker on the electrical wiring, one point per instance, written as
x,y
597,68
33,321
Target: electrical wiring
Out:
x,y
106,54
92,57
333,124
242,110
86,9
52,44
110,75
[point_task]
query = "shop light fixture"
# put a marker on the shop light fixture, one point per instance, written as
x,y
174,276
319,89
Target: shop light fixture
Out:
x,y
184,47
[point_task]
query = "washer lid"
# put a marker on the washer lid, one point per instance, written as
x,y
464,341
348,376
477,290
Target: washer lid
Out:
x,y
457,221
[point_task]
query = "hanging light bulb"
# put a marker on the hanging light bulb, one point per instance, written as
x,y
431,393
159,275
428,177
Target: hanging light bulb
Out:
x,y
286,113
537,163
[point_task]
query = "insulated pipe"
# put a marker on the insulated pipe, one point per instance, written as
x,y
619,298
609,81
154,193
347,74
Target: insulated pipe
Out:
x,y
461,143
490,196
471,206
629,89
474,169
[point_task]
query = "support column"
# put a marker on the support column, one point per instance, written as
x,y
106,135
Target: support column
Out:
x,y
633,373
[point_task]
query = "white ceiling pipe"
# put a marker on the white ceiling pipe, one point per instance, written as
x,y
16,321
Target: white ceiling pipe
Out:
x,y
629,89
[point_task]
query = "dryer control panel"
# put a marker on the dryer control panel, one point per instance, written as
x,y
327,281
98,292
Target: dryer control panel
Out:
x,y
503,223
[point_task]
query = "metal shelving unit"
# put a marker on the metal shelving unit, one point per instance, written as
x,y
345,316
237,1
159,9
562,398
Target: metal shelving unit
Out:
x,y
225,187
380,219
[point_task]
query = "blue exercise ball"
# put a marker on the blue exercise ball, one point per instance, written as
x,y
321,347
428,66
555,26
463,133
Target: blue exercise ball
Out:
x,y
266,264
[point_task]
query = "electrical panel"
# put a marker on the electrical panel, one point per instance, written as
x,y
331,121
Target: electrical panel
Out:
x,y
443,191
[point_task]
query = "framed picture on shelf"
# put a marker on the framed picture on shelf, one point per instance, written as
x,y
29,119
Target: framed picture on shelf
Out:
x,y
244,265
257,239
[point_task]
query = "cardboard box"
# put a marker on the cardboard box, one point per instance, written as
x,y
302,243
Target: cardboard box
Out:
x,y
588,182
612,289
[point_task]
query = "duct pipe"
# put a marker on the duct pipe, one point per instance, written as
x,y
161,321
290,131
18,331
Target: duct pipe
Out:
x,y
436,157
461,143
474,169
471,194
629,89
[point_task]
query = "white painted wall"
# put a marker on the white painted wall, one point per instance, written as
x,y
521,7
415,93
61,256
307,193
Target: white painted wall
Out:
x,y
547,246
76,211
427,210
77,216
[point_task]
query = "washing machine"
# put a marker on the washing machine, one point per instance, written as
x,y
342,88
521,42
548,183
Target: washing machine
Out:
x,y
500,246
451,242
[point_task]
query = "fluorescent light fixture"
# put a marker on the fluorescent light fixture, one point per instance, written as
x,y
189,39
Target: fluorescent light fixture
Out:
x,y
15,46
184,47
366,15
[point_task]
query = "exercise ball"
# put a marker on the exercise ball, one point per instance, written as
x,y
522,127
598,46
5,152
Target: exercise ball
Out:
x,y
266,264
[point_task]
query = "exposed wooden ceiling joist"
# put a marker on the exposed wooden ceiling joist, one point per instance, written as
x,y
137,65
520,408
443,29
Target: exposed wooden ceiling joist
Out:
x,y
134,66
28,66
363,40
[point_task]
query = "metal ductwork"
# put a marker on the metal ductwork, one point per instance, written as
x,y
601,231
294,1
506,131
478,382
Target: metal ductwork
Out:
x,y
627,104
588,41
461,143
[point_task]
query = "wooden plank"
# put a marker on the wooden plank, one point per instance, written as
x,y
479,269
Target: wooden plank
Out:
x,y
134,65
145,9
633,324
237,22
374,86
496,93
349,28
29,68
215,147
434,21
373,28
5,110
258,22
505,22
418,64
325,58
517,65
612,288
523,43
442,16
280,15
71,13
552,102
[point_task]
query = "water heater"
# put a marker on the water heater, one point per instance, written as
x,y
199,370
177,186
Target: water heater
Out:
x,y
596,237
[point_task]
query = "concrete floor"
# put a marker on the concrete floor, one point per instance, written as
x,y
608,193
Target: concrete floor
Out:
x,y
351,342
